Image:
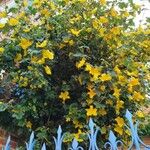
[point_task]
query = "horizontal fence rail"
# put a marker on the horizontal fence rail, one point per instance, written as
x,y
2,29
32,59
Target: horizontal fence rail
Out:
x,y
112,143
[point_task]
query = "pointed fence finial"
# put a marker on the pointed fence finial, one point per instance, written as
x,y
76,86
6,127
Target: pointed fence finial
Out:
x,y
136,141
75,145
43,147
59,140
7,146
93,135
30,145
128,115
113,142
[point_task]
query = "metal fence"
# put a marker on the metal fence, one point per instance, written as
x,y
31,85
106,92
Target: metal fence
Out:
x,y
112,143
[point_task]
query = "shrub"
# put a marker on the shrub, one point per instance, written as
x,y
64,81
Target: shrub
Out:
x,y
72,60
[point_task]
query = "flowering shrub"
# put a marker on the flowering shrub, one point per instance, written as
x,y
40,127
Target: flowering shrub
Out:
x,y
72,60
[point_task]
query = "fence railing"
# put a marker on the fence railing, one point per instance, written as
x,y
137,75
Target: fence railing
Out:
x,y
112,143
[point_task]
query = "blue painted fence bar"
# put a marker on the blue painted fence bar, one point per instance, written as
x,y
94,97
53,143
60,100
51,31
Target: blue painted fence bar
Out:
x,y
112,143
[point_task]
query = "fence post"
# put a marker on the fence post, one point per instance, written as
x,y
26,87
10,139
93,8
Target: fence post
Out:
x,y
59,140
92,135
134,133
31,143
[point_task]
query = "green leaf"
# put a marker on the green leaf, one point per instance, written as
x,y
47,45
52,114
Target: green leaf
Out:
x,y
99,105
32,10
123,5
3,106
78,55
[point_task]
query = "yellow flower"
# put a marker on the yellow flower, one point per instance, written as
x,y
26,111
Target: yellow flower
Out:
x,y
40,61
18,58
75,32
29,125
105,77
134,73
91,111
68,119
90,86
91,93
3,14
137,96
80,63
52,5
101,31
102,88
134,82
109,102
95,23
95,71
2,25
21,15
13,22
122,80
71,42
75,19
64,96
25,43
120,121
36,1
102,19
116,30
113,12
128,132
1,50
119,104
48,54
130,89
102,112
88,67
140,114
125,14
45,12
118,129
30,68
117,70
26,30
41,45
116,92
23,81
77,136
48,70
103,2
77,124
89,30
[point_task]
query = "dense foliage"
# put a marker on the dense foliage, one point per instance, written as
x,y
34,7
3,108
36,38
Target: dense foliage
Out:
x,y
66,61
